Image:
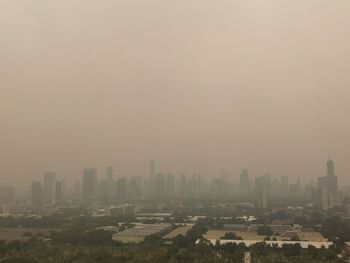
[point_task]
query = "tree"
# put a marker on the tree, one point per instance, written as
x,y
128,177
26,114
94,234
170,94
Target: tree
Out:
x,y
264,231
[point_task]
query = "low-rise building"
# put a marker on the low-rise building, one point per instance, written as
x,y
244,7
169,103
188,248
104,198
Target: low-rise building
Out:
x,y
139,232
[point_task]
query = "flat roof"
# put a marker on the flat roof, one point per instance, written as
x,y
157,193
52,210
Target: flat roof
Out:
x,y
141,231
182,230
303,244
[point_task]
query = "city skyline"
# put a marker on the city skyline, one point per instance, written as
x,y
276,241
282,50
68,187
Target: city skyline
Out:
x,y
234,174
105,175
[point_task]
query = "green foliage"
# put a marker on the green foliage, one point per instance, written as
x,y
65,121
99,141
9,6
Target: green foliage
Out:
x,y
264,231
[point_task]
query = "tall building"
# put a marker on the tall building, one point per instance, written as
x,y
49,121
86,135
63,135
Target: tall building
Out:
x,y
324,198
36,197
49,187
327,190
89,182
332,179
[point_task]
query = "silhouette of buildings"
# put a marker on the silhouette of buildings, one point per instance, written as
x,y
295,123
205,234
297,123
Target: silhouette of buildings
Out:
x,y
49,187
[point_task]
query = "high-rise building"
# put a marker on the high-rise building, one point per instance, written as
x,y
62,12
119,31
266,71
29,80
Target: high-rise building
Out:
x,y
327,190
324,198
111,185
89,182
36,197
332,179
49,187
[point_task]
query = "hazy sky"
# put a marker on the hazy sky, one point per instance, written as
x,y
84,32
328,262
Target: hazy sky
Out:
x,y
196,85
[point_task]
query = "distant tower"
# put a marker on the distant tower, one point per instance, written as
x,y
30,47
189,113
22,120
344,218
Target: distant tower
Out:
x,y
330,168
49,187
36,196
332,179
110,182
263,201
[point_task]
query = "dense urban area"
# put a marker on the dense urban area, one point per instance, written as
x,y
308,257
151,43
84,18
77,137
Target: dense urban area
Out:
x,y
168,218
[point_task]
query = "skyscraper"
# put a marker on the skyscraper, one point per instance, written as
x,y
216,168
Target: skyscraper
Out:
x,y
332,179
36,197
327,187
89,182
49,187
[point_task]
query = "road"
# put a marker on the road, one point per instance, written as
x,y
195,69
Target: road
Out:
x,y
247,258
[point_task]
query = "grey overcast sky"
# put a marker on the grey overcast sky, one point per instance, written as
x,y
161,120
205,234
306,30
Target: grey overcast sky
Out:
x,y
196,85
